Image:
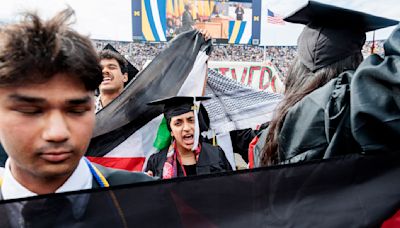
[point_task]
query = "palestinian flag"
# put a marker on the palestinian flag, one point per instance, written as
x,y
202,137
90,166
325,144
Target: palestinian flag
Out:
x,y
127,127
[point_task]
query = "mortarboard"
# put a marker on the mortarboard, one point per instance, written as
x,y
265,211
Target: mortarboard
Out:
x,y
332,33
132,71
178,105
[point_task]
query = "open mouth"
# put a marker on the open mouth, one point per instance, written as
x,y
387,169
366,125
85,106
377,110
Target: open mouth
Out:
x,y
188,139
106,79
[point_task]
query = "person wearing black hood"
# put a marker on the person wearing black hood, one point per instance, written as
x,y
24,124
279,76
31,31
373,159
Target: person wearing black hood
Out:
x,y
187,154
312,121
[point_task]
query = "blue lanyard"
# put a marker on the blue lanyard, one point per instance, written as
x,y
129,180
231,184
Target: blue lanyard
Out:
x,y
98,176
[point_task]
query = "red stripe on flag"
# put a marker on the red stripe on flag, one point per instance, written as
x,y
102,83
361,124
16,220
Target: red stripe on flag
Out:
x,y
276,20
129,164
393,221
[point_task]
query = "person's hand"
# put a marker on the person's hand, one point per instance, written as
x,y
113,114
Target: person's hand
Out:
x,y
206,34
150,173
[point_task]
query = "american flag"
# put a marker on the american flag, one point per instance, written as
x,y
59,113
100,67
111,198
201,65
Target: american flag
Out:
x,y
275,18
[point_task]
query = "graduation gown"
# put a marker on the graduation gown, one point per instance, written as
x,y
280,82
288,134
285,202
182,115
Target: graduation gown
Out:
x,y
318,126
375,100
211,160
357,112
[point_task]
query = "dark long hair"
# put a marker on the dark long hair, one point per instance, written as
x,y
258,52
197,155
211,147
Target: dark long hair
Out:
x,y
300,81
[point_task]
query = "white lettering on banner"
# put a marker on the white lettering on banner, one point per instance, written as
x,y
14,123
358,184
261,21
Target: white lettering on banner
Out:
x,y
261,76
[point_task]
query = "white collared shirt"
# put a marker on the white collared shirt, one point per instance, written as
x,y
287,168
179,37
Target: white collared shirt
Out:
x,y
98,104
80,179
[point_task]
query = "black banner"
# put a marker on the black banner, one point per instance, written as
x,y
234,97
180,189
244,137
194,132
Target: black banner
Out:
x,y
351,191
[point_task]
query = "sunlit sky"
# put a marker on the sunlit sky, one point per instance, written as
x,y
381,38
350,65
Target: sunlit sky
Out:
x,y
111,19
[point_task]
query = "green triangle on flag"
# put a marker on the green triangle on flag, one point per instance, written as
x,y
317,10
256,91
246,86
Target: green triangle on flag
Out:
x,y
163,138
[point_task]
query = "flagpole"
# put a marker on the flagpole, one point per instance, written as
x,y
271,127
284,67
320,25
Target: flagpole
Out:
x,y
265,54
373,44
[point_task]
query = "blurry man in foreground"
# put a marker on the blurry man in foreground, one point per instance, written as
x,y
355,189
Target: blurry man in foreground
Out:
x,y
48,75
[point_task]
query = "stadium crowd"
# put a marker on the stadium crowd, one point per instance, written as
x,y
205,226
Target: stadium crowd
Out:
x,y
282,56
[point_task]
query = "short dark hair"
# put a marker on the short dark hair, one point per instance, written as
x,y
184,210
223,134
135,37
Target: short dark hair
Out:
x,y
34,50
109,54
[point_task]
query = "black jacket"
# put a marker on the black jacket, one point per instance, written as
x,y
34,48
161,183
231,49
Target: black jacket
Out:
x,y
211,160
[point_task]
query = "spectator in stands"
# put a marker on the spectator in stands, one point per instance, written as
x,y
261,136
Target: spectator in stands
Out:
x,y
115,75
48,75
170,32
300,129
178,26
183,157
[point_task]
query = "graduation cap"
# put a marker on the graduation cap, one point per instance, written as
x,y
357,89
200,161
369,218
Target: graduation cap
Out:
x,y
132,71
332,33
178,105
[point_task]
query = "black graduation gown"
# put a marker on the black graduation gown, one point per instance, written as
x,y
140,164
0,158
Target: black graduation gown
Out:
x,y
211,160
318,126
358,112
375,100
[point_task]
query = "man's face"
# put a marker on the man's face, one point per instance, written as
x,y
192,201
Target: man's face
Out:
x,y
46,128
182,129
113,78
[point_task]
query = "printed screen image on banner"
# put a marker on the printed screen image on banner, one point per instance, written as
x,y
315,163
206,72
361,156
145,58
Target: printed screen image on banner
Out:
x,y
218,17
160,20
211,15
149,20
240,24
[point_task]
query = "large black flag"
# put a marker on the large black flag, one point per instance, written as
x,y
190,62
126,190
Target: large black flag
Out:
x,y
350,191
